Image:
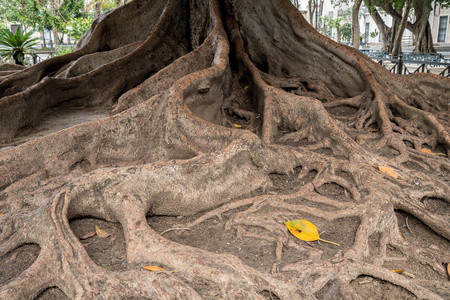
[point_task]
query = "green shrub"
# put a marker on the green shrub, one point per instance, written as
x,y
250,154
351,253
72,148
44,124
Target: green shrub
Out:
x,y
14,46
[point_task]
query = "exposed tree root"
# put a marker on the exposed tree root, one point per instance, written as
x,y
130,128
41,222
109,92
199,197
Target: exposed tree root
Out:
x,y
226,110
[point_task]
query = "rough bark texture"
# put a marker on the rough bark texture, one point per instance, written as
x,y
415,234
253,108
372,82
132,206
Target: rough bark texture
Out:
x,y
179,75
399,34
388,33
312,9
356,33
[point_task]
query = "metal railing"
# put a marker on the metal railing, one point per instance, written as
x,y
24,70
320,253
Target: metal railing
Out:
x,y
399,66
426,62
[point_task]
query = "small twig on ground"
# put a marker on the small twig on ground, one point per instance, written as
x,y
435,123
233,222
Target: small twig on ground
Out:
x,y
407,225
315,189
175,228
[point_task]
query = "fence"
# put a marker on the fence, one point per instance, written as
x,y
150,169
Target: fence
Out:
x,y
426,62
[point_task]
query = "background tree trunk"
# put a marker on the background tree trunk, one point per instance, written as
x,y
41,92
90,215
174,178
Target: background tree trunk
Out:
x,y
228,118
424,39
54,30
388,33
399,34
311,10
355,24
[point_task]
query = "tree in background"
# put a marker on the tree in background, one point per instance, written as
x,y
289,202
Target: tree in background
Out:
x,y
342,24
63,12
312,10
387,32
76,27
418,24
43,15
29,13
101,6
346,32
356,32
401,28
355,13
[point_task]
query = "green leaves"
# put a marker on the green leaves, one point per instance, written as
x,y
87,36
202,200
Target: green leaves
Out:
x,y
15,45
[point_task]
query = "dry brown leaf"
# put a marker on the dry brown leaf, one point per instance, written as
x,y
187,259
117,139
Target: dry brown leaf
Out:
x,y
153,268
101,233
88,235
388,171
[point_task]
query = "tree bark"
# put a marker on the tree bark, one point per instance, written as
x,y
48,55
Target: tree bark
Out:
x,y
54,30
420,28
238,111
388,33
355,24
399,34
311,8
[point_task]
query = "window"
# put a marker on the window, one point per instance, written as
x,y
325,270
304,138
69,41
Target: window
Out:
x,y
339,13
443,21
330,14
367,33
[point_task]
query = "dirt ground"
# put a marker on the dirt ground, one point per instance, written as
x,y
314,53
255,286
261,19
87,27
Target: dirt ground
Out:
x,y
211,235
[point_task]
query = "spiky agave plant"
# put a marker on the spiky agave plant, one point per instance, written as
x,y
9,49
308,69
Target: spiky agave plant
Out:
x,y
15,45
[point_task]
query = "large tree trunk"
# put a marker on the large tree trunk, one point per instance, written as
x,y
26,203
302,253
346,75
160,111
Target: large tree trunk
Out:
x,y
355,24
214,102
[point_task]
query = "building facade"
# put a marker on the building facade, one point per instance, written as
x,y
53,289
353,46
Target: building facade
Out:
x,y
440,24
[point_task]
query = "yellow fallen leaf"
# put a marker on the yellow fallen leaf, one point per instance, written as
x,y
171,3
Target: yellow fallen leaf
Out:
x,y
1,215
239,126
448,269
246,87
426,151
101,233
373,130
404,272
153,268
305,231
432,153
388,171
